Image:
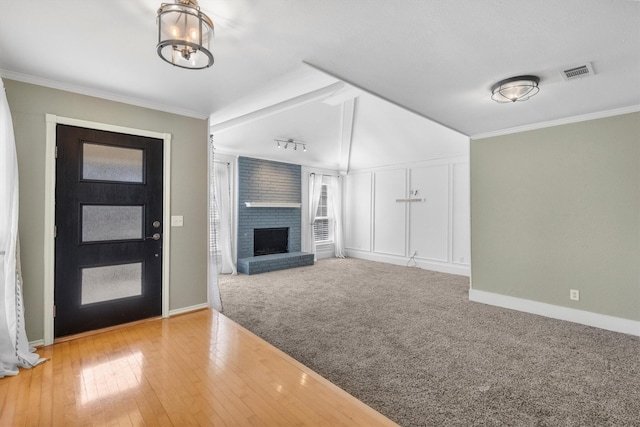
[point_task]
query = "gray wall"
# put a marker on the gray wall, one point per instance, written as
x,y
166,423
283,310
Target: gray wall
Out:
x,y
188,261
557,209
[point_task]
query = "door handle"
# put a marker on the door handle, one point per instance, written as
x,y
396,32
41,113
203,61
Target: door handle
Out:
x,y
156,236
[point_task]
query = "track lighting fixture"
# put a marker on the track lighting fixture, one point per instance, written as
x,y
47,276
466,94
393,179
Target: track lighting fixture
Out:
x,y
290,141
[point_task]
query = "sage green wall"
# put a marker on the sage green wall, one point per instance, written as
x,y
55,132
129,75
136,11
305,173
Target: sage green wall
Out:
x,y
557,209
188,259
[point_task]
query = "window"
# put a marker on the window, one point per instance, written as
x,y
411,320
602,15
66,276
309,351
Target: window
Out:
x,y
322,229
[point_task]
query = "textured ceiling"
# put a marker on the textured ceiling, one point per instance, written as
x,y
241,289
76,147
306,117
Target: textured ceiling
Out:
x,y
436,58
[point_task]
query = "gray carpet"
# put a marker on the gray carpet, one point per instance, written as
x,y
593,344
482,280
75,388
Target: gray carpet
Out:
x,y
408,343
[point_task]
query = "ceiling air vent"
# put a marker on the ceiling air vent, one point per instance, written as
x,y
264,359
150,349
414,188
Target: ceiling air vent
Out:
x,y
578,72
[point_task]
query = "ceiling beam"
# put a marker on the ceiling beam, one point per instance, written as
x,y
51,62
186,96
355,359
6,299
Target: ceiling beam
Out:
x,y
347,93
262,113
348,110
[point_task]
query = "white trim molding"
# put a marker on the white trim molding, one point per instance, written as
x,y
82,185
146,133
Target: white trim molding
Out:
x,y
442,267
83,90
189,309
551,123
602,321
49,209
36,343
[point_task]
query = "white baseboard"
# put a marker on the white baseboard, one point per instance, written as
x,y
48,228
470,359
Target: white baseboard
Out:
x,y
36,343
461,270
582,317
188,309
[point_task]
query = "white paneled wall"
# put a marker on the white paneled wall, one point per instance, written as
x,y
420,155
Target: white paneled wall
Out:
x,y
432,229
389,217
358,213
429,218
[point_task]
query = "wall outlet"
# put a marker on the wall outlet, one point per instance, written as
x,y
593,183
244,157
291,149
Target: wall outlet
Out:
x,y
574,294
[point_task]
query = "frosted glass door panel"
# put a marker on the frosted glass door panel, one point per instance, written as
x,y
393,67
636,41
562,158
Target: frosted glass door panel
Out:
x,y
109,163
111,282
101,223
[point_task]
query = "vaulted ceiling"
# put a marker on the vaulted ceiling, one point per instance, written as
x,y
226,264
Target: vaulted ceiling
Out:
x,y
437,59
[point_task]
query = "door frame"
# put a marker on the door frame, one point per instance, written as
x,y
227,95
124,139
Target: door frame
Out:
x,y
49,209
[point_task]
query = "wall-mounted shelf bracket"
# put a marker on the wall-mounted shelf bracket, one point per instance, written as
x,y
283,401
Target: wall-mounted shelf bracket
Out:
x,y
410,200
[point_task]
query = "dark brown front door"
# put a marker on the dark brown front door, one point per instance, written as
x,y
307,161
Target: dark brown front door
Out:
x,y
108,251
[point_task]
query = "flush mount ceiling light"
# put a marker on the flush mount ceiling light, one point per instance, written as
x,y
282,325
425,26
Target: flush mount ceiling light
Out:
x,y
288,142
185,35
515,89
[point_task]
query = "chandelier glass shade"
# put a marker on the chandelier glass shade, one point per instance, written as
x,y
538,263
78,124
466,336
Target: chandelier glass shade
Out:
x,y
185,35
515,89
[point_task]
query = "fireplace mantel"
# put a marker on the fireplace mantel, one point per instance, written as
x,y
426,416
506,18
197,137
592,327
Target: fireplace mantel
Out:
x,y
272,205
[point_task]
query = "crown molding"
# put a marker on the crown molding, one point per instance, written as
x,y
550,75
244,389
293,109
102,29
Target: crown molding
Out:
x,y
558,122
83,90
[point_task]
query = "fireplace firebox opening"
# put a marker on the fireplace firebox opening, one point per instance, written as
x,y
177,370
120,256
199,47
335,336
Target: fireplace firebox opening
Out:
x,y
268,241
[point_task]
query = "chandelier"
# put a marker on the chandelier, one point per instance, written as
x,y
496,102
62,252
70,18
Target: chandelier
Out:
x,y
185,35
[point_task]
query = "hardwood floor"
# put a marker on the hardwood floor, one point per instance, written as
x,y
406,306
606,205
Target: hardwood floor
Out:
x,y
195,369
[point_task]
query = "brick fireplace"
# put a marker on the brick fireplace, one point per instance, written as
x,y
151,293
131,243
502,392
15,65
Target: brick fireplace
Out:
x,y
269,197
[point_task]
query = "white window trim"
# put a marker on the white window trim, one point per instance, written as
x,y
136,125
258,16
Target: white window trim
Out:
x,y
328,217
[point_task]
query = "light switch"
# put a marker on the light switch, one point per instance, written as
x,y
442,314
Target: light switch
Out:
x,y
177,220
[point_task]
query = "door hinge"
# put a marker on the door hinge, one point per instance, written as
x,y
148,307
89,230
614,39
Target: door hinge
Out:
x,y
56,152
55,231
54,311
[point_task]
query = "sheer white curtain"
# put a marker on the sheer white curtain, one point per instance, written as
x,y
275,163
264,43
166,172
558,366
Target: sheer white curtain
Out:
x,y
335,192
14,346
213,288
315,191
222,186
